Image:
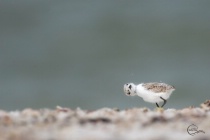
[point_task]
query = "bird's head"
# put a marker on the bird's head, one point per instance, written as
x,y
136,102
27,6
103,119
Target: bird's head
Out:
x,y
130,89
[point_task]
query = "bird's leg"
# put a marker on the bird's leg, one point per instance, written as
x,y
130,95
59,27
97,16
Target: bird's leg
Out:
x,y
163,100
159,109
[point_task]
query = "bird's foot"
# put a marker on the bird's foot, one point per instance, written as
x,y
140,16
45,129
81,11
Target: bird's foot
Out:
x,y
159,109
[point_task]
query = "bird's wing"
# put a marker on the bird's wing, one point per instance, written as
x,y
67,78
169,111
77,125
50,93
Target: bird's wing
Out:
x,y
157,87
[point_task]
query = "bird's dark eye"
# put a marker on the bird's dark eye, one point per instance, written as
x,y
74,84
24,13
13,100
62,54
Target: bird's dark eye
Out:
x,y
129,93
130,86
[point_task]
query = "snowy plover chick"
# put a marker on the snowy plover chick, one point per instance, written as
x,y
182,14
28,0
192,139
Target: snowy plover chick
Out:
x,y
150,92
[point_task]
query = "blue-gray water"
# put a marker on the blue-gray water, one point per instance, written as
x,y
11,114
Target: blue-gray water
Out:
x,y
81,53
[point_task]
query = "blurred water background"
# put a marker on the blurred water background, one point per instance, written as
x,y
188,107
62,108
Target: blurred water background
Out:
x,y
80,53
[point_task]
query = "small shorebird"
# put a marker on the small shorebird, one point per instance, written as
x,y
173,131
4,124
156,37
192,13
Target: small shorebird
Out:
x,y
150,92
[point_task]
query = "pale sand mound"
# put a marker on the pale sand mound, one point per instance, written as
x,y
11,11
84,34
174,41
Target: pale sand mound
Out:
x,y
106,123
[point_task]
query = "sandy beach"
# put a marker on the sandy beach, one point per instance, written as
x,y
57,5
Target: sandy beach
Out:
x,y
106,123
